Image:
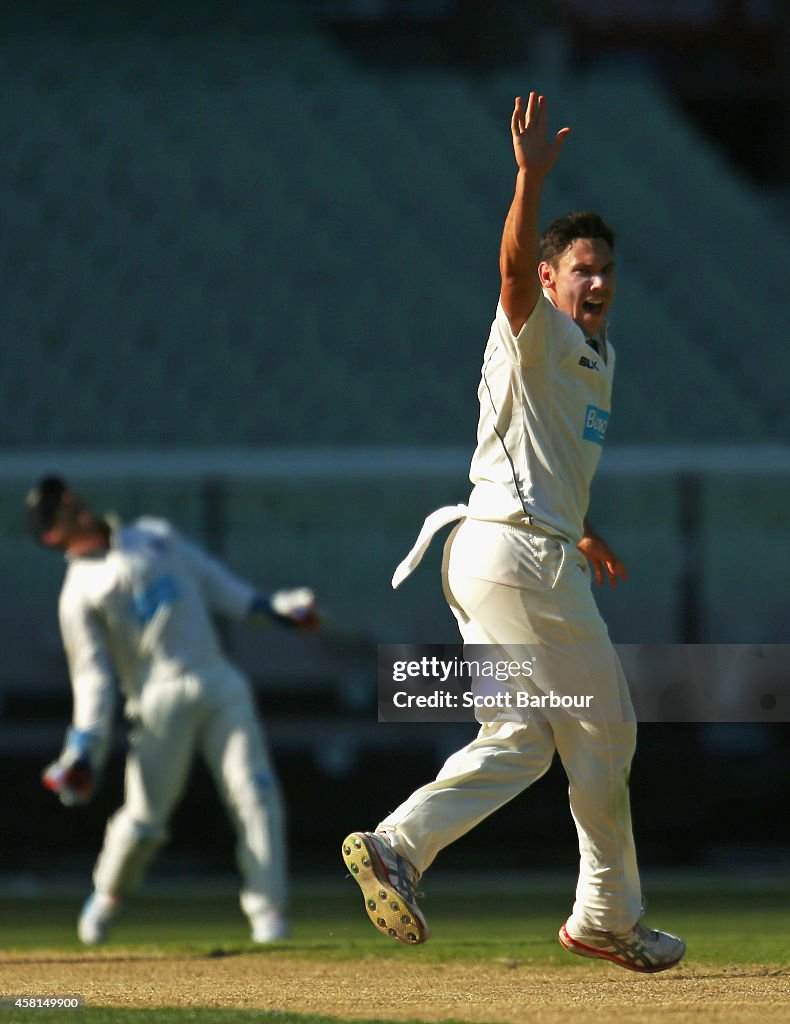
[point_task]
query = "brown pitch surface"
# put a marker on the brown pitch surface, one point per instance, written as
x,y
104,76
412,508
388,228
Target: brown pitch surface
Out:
x,y
490,992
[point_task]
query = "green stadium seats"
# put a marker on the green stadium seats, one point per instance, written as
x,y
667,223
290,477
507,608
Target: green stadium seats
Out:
x,y
174,200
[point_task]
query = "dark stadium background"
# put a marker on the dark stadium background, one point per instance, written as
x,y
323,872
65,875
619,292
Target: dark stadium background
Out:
x,y
125,327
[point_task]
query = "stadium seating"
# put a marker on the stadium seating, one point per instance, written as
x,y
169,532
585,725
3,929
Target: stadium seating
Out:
x,y
195,222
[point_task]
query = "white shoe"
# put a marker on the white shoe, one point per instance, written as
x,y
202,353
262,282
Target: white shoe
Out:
x,y
640,949
96,917
270,926
388,883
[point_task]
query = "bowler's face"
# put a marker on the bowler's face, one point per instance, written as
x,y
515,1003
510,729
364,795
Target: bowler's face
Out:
x,y
583,283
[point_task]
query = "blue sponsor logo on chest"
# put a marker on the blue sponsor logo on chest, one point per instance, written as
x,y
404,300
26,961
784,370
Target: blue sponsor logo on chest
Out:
x,y
595,423
162,591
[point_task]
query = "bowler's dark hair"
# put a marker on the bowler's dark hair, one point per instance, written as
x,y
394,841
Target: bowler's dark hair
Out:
x,y
564,231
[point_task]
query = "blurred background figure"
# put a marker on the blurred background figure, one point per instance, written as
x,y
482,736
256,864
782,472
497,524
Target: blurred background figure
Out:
x,y
136,605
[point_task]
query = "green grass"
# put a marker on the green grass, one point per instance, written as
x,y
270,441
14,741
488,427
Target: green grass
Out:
x,y
507,920
514,919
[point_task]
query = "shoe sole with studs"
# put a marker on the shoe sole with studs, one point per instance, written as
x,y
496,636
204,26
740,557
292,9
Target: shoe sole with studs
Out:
x,y
387,909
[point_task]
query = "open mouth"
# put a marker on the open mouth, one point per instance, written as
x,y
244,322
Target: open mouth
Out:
x,y
594,306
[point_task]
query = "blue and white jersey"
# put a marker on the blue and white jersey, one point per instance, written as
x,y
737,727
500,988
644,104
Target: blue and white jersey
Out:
x,y
545,398
141,611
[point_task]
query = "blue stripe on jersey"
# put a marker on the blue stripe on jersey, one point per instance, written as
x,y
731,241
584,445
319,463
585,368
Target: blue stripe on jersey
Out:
x,y
162,591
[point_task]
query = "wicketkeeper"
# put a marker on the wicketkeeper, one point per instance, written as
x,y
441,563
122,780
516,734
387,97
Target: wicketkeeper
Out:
x,y
135,608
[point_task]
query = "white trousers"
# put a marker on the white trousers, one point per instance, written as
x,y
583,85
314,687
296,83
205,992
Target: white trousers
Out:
x,y
211,714
519,591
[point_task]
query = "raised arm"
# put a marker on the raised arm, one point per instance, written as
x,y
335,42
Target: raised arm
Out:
x,y
518,256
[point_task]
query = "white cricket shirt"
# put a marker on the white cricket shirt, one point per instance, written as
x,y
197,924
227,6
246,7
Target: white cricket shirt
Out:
x,y
139,612
545,399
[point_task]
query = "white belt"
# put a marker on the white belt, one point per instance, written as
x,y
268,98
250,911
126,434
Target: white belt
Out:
x,y
435,521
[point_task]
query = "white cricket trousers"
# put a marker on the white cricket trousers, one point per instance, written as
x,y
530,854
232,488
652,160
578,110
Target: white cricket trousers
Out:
x,y
210,713
516,590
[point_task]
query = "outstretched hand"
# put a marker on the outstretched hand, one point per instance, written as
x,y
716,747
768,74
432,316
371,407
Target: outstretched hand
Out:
x,y
602,559
297,608
535,152
72,780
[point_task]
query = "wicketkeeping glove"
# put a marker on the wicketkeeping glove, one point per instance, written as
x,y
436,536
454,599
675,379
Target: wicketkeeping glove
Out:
x,y
293,608
73,776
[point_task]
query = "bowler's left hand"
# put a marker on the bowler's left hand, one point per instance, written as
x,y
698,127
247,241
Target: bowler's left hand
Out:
x,y
602,559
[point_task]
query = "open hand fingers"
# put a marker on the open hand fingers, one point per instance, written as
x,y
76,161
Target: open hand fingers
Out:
x,y
613,567
535,116
517,121
616,570
560,138
535,150
533,108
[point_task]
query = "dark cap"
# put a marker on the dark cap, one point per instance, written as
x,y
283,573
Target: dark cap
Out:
x,y
42,504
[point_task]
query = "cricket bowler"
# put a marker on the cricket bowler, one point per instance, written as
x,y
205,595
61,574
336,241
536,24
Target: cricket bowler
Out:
x,y
517,572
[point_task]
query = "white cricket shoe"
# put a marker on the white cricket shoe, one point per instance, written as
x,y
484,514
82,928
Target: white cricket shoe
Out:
x,y
640,949
388,883
96,917
269,926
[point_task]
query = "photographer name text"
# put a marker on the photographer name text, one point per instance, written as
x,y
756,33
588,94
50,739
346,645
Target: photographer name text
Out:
x,y
499,701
